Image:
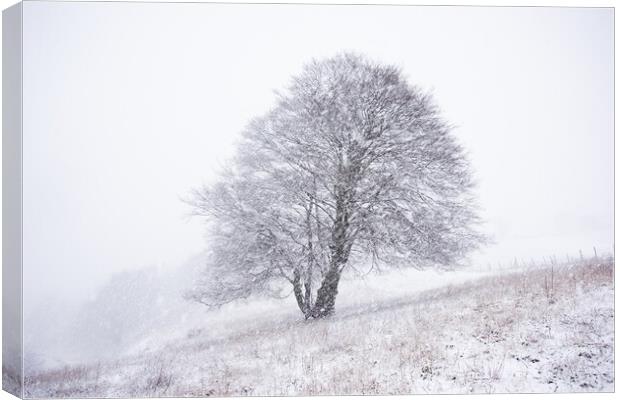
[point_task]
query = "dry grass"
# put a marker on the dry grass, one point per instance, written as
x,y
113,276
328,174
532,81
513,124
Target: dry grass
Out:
x,y
540,330
11,381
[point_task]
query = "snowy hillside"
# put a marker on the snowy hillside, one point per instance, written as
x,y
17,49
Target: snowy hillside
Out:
x,y
543,330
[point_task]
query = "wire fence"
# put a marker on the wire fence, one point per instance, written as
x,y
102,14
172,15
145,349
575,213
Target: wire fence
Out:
x,y
583,257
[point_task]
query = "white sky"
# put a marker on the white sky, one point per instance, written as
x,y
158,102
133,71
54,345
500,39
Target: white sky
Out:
x,y
127,106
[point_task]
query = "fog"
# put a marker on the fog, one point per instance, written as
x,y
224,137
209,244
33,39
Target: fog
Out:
x,y
128,106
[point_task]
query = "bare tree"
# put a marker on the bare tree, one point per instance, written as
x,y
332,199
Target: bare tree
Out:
x,y
352,165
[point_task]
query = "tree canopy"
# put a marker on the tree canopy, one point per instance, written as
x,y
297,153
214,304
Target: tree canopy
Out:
x,y
352,165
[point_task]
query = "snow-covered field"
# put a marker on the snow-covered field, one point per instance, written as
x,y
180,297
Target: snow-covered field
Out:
x,y
537,330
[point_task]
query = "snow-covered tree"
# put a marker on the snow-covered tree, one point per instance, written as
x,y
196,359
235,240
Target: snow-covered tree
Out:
x,y
352,165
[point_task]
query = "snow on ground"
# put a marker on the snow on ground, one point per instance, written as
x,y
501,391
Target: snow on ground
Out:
x,y
355,294
542,330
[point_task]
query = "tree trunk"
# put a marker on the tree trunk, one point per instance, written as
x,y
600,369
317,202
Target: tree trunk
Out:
x,y
301,301
340,249
326,295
